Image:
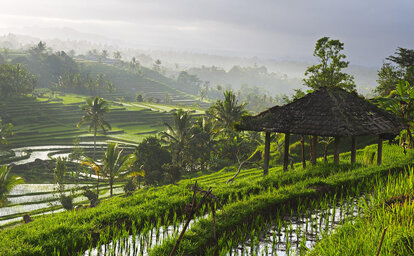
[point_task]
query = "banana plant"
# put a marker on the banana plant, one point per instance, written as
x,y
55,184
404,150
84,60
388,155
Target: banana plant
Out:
x,y
401,102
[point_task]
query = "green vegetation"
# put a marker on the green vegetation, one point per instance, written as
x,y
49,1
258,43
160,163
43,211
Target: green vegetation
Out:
x,y
255,212
249,195
328,71
389,207
7,182
94,111
401,102
399,67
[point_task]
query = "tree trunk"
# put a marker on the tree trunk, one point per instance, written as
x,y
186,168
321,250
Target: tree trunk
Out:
x,y
97,185
302,143
266,154
336,150
310,150
379,153
94,157
325,153
353,150
94,145
111,183
286,154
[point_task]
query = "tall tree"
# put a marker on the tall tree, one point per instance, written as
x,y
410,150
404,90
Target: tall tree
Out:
x,y
202,143
15,80
150,157
328,72
178,135
227,111
94,109
7,182
400,68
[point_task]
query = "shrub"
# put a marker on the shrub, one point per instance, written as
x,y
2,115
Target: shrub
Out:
x,y
130,187
369,155
92,197
67,202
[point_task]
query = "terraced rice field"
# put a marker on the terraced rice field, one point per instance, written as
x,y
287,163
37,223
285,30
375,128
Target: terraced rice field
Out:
x,y
45,122
257,213
42,199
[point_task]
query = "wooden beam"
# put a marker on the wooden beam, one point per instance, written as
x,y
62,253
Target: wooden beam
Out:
x,y
286,154
266,154
379,153
336,150
353,150
302,142
314,149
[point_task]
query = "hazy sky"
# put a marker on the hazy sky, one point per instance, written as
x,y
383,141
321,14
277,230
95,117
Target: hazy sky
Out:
x,y
286,30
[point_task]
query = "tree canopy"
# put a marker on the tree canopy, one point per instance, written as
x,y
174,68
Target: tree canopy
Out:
x,y
15,80
328,72
399,68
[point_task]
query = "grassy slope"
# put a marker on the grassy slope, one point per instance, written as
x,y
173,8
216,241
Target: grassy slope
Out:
x,y
70,230
390,207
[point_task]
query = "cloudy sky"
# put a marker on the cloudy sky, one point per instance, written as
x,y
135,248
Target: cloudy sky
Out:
x,y
273,29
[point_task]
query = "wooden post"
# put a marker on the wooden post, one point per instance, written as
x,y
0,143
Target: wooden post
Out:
x,y
286,155
379,153
310,150
336,150
314,149
353,150
302,142
266,154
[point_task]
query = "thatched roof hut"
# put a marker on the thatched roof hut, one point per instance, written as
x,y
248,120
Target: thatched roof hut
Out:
x,y
331,112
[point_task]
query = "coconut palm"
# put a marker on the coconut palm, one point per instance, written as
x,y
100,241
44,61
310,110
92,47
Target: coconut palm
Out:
x,y
178,135
114,164
227,112
7,182
94,111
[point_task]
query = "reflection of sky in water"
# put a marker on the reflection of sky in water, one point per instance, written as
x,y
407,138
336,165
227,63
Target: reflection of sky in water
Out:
x,y
42,152
28,188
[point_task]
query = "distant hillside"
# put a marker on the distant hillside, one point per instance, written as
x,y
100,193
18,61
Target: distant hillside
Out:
x,y
152,85
143,81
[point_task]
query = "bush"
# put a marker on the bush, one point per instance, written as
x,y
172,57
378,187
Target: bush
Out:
x,y
67,202
92,197
130,187
369,155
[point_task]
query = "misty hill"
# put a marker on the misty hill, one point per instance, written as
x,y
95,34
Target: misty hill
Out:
x,y
280,75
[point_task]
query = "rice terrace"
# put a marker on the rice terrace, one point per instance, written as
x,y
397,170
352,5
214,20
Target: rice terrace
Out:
x,y
206,128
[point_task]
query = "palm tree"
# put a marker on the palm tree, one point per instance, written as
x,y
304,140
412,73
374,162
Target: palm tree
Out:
x,y
178,135
94,110
114,164
228,111
7,182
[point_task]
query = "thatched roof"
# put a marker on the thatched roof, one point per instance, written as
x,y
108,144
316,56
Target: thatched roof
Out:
x,y
326,112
